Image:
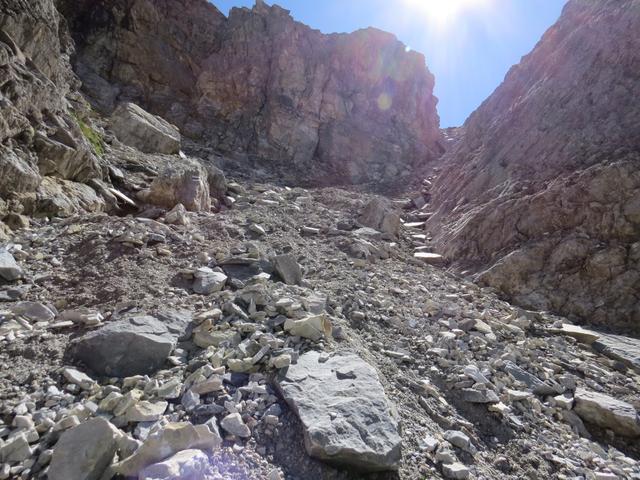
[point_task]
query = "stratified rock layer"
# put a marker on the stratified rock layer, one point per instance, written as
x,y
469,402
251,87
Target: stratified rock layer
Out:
x,y
329,109
542,193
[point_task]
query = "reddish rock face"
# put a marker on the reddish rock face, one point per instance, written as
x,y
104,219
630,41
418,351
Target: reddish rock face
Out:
x,y
327,109
542,193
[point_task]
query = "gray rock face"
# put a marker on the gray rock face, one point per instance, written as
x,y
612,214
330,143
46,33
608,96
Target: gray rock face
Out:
x,y
9,268
544,200
344,411
339,109
607,412
84,452
135,344
146,132
39,136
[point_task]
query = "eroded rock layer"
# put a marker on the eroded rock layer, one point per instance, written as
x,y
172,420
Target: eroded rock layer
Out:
x,y
542,193
328,109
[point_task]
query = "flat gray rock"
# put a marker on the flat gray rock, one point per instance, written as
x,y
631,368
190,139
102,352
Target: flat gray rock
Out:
x,y
624,349
346,416
136,344
607,412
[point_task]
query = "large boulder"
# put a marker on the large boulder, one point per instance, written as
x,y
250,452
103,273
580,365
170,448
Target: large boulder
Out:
x,y
135,344
346,416
607,412
378,214
84,452
183,183
146,132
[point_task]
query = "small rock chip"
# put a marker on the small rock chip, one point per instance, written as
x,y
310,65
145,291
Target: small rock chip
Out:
x,y
233,424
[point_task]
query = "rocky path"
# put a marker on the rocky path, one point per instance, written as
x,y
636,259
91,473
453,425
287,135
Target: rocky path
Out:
x,y
301,334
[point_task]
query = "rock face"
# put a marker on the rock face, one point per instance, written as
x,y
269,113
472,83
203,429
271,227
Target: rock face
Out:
x,y
542,192
337,399
39,130
328,109
148,133
133,345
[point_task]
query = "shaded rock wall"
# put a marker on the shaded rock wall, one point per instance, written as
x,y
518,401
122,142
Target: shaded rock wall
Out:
x,y
327,109
542,194
39,136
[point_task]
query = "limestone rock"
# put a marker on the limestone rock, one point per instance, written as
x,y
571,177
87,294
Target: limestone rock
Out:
x,y
344,411
233,424
181,183
607,412
313,327
132,345
16,174
84,452
624,349
9,268
183,465
288,269
169,440
208,281
378,215
146,132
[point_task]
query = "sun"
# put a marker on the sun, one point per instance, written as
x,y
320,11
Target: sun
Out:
x,y
443,13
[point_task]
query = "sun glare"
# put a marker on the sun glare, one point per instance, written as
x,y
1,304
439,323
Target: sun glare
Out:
x,y
443,13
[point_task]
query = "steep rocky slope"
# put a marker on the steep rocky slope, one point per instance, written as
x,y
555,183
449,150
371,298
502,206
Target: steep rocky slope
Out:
x,y
542,193
326,109
158,321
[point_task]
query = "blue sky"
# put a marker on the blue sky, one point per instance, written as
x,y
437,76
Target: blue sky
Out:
x,y
469,44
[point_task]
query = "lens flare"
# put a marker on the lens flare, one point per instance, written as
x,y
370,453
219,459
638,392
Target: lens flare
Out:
x,y
443,13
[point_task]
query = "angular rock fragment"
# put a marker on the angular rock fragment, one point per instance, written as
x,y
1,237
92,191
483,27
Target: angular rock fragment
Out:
x,y
377,214
288,268
344,411
146,132
169,440
233,424
188,464
135,344
184,183
9,268
313,327
208,281
84,452
430,258
607,412
618,347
